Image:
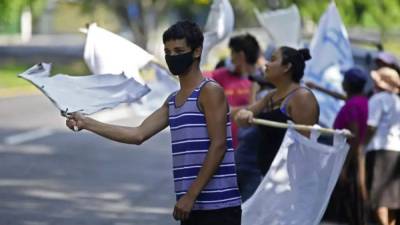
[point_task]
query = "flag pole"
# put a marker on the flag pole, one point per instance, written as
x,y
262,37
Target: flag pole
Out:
x,y
269,123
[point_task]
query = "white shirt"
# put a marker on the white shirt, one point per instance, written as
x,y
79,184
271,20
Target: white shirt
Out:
x,y
384,115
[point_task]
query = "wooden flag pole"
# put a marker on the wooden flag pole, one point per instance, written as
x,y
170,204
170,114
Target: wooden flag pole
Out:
x,y
298,127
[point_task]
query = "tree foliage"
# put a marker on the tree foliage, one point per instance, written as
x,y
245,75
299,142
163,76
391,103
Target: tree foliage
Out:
x,y
10,12
383,14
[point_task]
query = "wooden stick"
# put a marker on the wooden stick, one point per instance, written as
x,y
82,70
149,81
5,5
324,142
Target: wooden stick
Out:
x,y
298,127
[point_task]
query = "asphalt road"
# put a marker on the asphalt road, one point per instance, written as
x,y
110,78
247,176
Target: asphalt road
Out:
x,y
50,175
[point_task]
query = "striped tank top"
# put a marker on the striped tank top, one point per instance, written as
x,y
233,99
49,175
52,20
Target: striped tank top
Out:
x,y
190,143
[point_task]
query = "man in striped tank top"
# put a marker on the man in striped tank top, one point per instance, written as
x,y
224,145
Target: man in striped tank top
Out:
x,y
199,119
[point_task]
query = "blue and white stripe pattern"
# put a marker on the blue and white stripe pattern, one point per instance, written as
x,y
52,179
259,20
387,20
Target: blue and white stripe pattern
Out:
x,y
190,144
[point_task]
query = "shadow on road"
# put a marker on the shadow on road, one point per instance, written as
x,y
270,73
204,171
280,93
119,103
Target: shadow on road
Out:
x,y
80,178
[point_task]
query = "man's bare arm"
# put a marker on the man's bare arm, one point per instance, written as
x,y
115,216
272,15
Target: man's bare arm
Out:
x,y
153,124
215,107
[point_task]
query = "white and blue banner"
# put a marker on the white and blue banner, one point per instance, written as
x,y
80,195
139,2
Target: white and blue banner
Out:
x,y
331,53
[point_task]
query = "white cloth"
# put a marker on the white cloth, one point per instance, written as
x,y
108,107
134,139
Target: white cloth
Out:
x,y
87,94
219,25
108,53
283,25
297,187
331,53
162,84
384,115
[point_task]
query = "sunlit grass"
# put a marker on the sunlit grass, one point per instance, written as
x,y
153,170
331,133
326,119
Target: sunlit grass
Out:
x,y
10,82
393,46
9,79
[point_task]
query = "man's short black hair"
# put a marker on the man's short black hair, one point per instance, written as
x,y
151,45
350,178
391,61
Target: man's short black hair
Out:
x,y
185,30
248,44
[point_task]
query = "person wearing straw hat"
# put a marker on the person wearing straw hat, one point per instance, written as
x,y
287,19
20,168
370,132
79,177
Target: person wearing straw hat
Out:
x,y
288,102
383,146
385,59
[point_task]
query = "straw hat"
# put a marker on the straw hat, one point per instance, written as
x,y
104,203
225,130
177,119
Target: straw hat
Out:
x,y
387,79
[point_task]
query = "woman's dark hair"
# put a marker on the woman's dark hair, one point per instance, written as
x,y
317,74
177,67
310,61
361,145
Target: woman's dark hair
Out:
x,y
297,59
185,30
248,44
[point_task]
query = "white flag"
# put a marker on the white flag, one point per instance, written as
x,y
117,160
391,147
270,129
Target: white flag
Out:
x,y
108,53
220,23
297,187
161,83
283,26
331,53
86,94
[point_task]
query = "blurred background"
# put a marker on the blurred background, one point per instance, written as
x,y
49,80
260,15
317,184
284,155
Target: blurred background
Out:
x,y
49,28
49,175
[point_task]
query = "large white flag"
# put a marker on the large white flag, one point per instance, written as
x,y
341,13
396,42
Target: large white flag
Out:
x,y
220,23
297,187
161,84
331,53
283,26
108,53
86,94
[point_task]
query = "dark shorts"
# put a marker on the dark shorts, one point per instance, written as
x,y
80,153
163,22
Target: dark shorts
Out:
x,y
383,178
225,216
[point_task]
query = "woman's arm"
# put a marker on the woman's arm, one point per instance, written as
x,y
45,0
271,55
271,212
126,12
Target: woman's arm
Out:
x,y
156,122
356,156
303,108
370,133
244,116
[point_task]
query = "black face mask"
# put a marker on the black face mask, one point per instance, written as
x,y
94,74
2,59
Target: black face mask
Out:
x,y
179,64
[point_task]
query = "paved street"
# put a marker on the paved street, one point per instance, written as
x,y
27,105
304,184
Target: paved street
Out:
x,y
50,175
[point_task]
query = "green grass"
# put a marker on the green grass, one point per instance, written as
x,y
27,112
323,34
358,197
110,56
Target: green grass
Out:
x,y
9,79
393,46
11,84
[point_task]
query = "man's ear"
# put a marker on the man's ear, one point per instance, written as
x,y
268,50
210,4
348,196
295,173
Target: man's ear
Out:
x,y
197,52
288,67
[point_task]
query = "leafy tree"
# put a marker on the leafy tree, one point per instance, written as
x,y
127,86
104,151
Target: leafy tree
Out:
x,y
143,16
10,12
382,14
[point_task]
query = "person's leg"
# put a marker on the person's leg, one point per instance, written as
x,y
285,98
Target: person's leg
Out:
x,y
382,215
392,217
